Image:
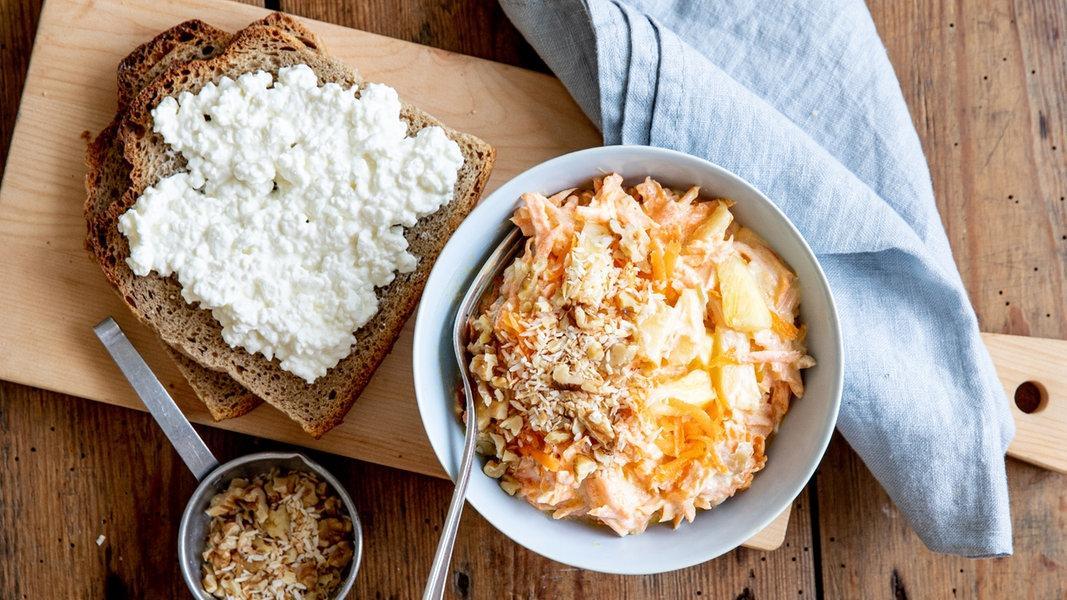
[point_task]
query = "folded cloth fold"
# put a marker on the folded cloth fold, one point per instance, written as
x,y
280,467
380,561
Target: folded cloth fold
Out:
x,y
799,98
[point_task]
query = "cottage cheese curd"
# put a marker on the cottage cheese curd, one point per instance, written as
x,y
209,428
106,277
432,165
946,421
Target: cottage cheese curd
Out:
x,y
292,210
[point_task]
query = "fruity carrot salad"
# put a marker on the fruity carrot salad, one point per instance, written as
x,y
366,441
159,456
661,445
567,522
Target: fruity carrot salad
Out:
x,y
636,356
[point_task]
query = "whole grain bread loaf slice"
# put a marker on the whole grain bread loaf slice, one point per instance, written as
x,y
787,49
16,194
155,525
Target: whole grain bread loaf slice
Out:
x,y
322,405
108,178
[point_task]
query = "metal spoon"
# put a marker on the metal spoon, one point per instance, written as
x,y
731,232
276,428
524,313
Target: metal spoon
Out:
x,y
496,263
213,477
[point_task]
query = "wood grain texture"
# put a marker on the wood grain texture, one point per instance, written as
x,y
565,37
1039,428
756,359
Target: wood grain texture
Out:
x,y
474,28
132,462
70,89
861,547
1040,362
986,82
72,470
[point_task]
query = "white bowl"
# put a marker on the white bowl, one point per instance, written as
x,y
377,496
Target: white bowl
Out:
x,y
792,454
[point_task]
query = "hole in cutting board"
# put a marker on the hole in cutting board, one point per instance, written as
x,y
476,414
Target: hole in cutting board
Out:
x,y
1031,397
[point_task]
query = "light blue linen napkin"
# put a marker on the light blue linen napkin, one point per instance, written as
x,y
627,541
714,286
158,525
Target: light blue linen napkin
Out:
x,y
799,98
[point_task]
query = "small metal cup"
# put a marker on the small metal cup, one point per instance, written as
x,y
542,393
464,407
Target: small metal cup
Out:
x,y
213,477
192,533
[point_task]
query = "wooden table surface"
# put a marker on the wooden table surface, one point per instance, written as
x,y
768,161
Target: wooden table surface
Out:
x,y
986,82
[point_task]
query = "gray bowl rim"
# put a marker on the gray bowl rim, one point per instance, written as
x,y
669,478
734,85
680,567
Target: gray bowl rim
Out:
x,y
192,580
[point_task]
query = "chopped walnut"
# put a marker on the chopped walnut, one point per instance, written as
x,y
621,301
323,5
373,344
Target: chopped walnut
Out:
x,y
276,536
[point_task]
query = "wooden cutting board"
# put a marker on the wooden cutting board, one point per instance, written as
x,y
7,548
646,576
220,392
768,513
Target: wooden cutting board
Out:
x,y
54,293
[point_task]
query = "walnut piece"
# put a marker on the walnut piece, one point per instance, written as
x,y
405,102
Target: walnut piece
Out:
x,y
276,536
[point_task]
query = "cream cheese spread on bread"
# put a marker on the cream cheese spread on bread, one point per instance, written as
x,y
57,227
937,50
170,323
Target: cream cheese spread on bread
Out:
x,y
292,210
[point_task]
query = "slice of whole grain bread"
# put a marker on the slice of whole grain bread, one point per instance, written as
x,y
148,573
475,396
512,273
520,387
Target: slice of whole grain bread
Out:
x,y
107,179
322,405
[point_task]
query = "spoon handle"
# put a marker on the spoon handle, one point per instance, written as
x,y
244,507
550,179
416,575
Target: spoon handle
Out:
x,y
494,265
438,578
181,434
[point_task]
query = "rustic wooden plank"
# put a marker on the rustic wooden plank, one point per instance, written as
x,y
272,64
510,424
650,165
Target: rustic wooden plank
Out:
x,y
123,467
70,89
18,21
72,470
469,27
986,82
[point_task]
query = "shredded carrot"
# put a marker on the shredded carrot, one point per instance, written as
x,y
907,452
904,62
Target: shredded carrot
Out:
x,y
655,257
692,430
545,460
713,458
696,413
508,322
670,256
693,451
784,328
669,472
665,443
663,258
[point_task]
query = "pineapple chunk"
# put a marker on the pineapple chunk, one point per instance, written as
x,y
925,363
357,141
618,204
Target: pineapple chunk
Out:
x,y
691,388
693,340
767,268
656,330
743,305
687,349
737,384
714,228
